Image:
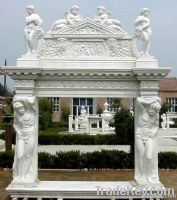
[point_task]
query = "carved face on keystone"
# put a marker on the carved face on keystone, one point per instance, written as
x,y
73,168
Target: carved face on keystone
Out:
x,y
19,108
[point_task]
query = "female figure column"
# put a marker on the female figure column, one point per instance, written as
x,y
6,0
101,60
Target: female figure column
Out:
x,y
146,128
25,125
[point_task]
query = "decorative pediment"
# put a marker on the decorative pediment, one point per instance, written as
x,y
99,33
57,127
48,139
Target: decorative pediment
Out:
x,y
87,26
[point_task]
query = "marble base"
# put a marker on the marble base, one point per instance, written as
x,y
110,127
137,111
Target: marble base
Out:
x,y
146,62
77,190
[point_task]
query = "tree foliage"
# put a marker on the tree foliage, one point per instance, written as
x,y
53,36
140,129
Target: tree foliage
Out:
x,y
164,108
115,103
124,127
64,113
45,113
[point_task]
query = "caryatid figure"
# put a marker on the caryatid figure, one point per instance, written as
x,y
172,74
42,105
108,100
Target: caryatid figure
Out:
x,y
146,130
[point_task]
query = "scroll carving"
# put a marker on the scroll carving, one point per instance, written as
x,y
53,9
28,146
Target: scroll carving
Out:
x,y
24,83
86,84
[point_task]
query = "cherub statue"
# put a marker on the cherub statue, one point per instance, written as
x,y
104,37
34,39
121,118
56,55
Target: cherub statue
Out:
x,y
70,18
33,29
104,18
143,31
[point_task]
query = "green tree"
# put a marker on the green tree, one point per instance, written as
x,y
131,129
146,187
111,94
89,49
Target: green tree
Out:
x,y
115,103
64,113
124,127
5,92
45,112
164,108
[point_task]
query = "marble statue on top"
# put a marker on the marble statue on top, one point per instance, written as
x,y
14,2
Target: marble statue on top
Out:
x,y
104,18
143,31
70,19
147,125
32,29
25,160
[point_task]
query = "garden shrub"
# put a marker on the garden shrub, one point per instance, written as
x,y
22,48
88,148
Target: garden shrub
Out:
x,y
45,113
45,160
124,125
105,159
71,139
6,159
64,113
168,160
124,128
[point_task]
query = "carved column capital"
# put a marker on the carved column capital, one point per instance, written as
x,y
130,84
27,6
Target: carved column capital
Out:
x,y
149,87
149,84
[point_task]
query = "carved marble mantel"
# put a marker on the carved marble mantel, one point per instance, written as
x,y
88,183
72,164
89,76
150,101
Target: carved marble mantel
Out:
x,y
86,60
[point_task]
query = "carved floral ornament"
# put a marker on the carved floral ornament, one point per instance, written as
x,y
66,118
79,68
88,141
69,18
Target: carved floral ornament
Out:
x,y
53,44
149,84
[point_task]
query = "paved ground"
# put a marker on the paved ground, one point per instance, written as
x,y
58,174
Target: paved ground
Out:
x,y
82,148
164,144
168,177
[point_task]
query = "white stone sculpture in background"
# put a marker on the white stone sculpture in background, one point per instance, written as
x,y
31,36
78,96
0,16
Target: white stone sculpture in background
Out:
x,y
106,118
25,125
83,118
33,29
104,18
147,125
70,19
143,31
164,121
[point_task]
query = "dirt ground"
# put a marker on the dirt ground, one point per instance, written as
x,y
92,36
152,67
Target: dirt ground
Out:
x,y
167,177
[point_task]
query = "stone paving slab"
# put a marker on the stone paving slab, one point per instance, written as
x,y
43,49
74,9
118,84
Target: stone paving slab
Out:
x,y
82,148
52,149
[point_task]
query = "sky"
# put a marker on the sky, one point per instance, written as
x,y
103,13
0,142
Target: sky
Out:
x,y
163,24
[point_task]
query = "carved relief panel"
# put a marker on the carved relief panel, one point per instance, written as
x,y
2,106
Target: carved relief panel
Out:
x,y
62,47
